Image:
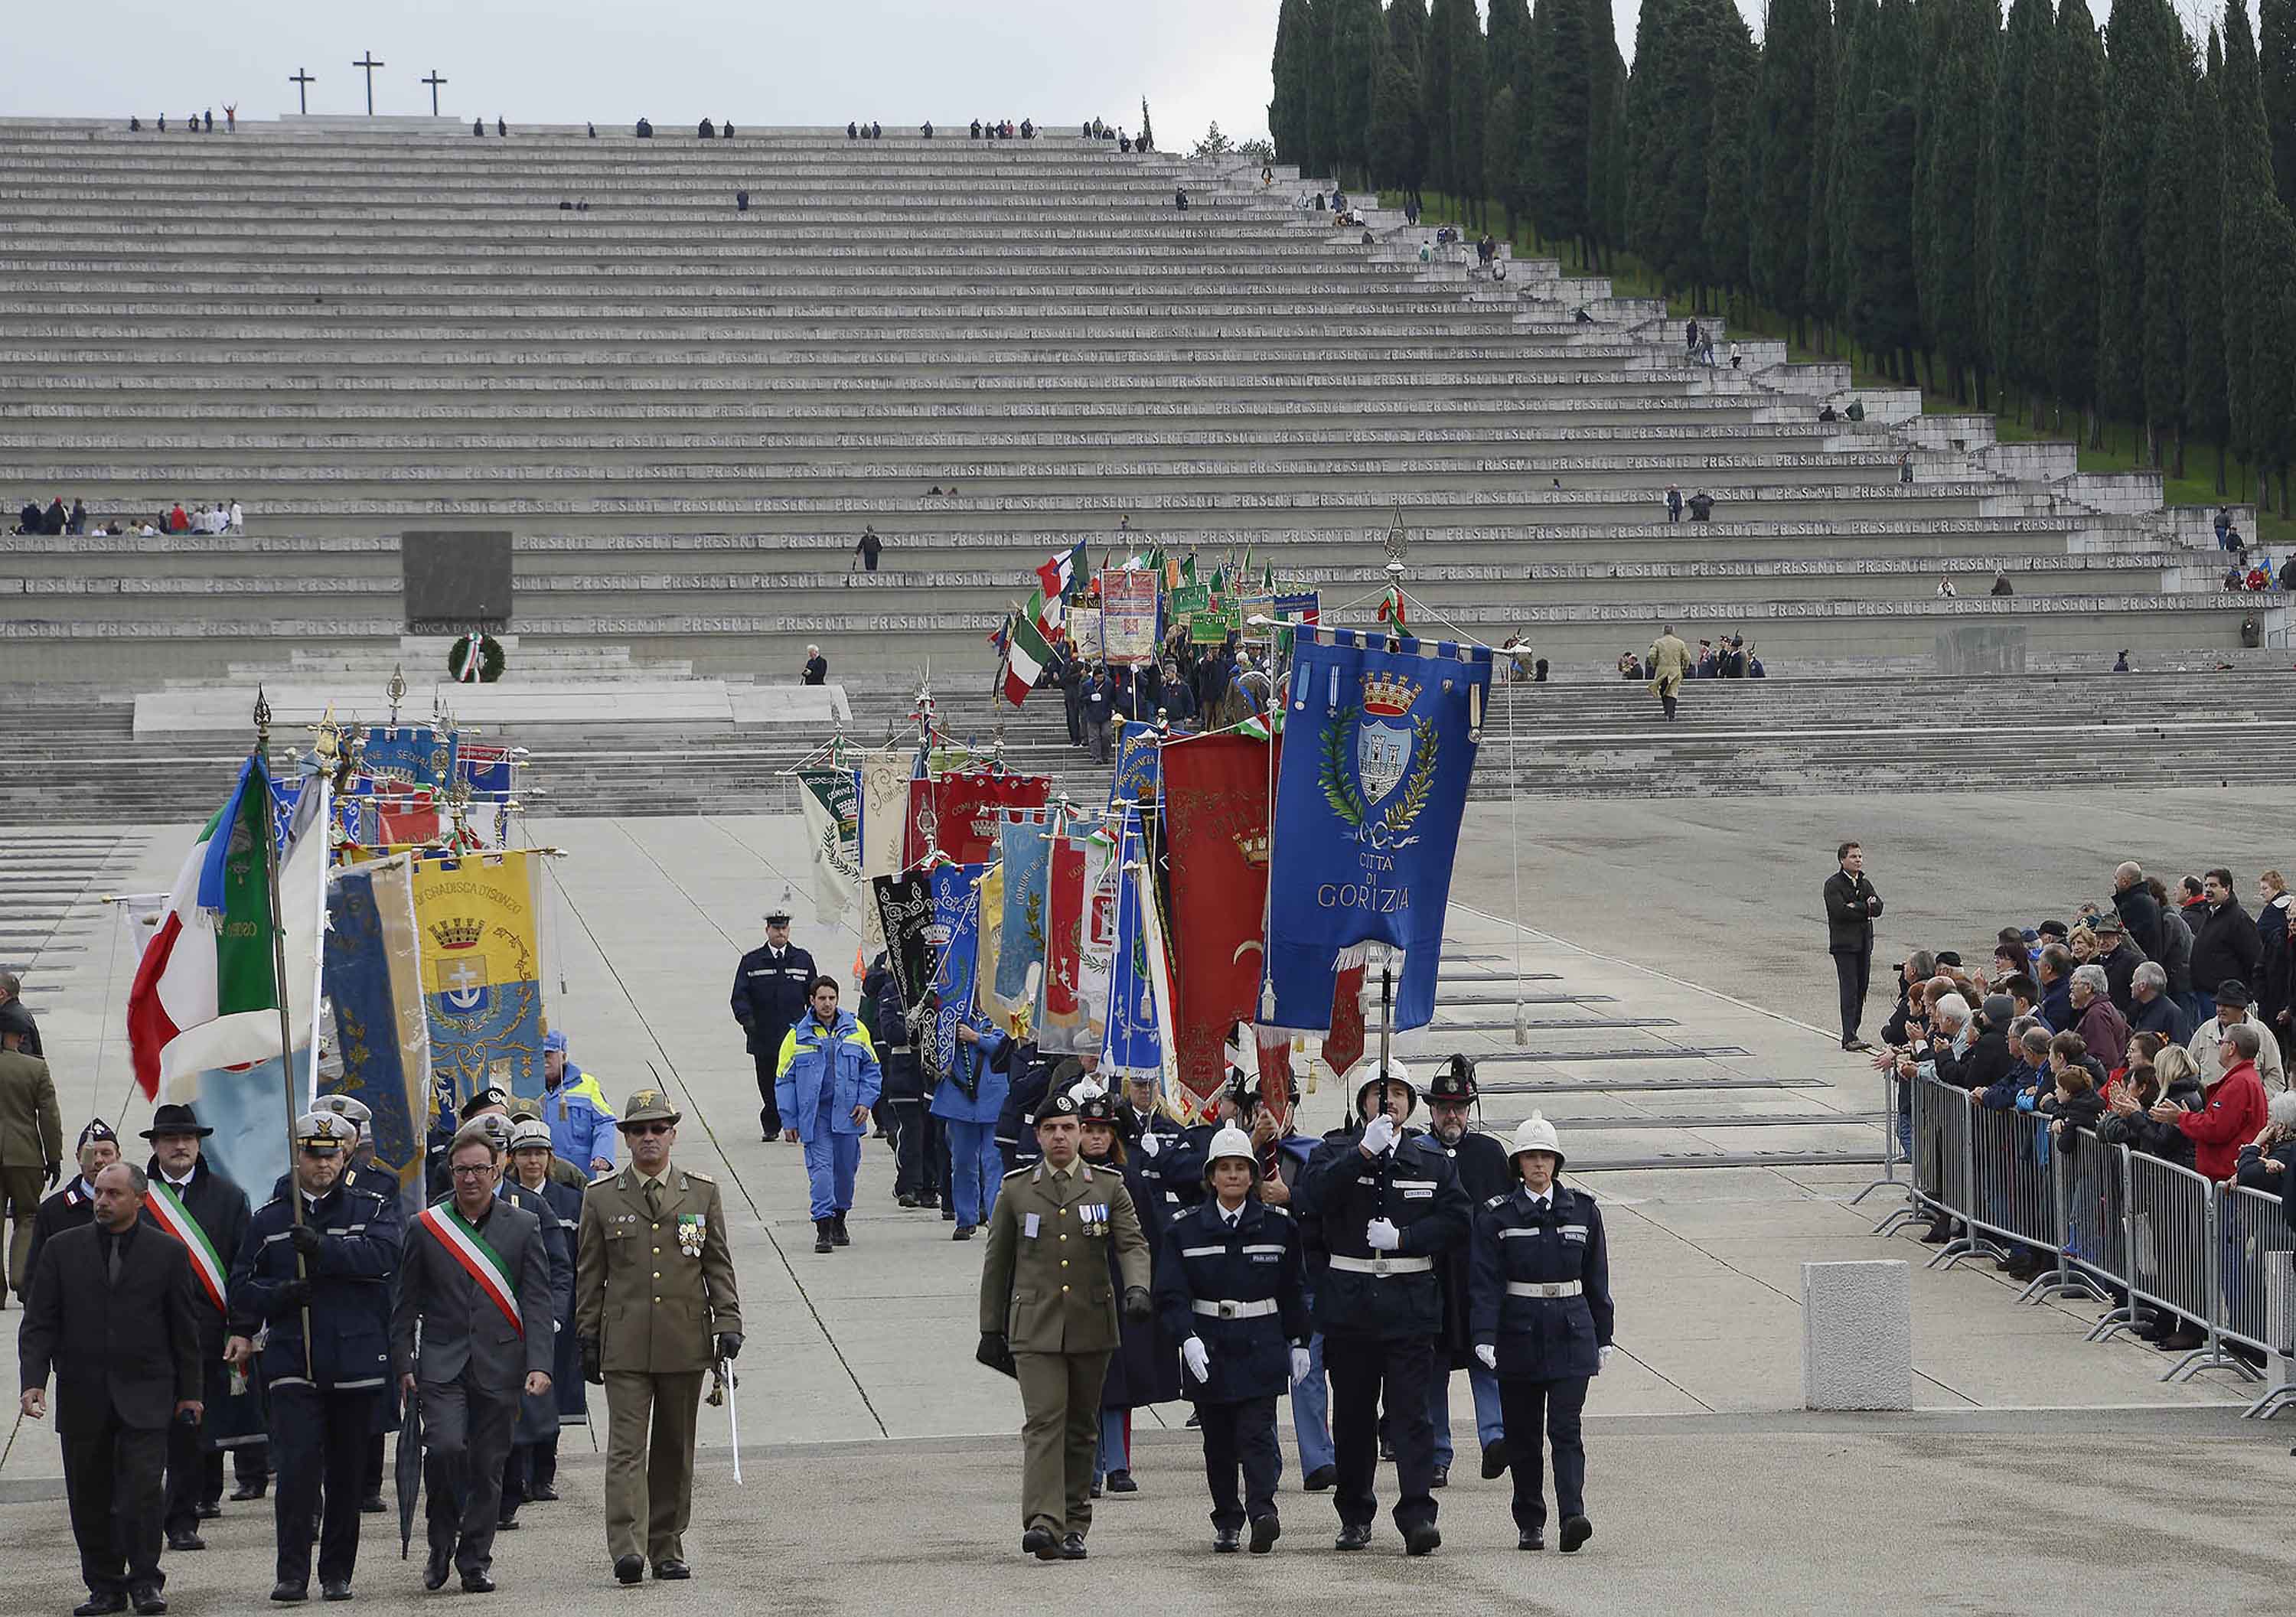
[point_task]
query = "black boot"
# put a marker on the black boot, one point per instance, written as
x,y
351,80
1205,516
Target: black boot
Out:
x,y
837,1232
821,1241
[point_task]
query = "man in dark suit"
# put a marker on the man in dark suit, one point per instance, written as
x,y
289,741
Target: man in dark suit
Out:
x,y
1850,905
770,988
111,1314
475,1274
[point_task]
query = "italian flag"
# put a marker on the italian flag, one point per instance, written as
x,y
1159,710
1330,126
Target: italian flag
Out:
x,y
205,995
1391,607
467,1247
1026,654
168,1211
1060,573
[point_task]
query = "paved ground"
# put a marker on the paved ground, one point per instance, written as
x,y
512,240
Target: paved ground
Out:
x,y
1704,1487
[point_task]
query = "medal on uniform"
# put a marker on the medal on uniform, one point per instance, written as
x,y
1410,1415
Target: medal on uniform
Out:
x,y
692,1231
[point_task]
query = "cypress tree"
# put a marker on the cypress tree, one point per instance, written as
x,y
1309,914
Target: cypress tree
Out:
x,y
2276,45
2207,409
1648,164
1456,83
1733,65
2015,170
1287,113
1512,65
2068,238
1882,305
1503,175
1781,149
2139,78
1608,195
1825,82
1853,104
1959,42
2259,252
1323,139
1147,130
1358,31
2166,251
1561,178
1406,32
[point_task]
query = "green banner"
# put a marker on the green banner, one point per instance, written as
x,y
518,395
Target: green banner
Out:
x,y
1190,599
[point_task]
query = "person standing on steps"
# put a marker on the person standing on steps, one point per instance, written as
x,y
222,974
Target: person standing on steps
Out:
x,y
1669,666
816,666
770,987
1542,1323
1850,905
828,1082
647,1334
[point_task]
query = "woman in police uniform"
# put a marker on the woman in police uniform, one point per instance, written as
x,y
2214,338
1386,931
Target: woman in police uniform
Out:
x,y
1230,1288
1540,1315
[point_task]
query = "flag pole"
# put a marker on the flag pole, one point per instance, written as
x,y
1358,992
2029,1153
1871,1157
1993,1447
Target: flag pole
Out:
x,y
279,991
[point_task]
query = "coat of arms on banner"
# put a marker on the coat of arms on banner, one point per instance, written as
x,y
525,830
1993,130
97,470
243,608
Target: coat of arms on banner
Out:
x,y
1393,763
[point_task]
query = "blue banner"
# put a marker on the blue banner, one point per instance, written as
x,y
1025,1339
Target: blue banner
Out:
x,y
1135,1046
1376,757
1027,857
1137,775
247,1108
956,942
413,753
374,984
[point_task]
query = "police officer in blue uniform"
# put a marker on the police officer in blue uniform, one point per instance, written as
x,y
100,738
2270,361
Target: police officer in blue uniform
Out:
x,y
1378,1207
770,990
1231,1289
320,1251
1542,1321
1481,1160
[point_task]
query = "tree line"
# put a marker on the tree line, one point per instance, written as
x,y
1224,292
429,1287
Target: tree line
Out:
x,y
2030,212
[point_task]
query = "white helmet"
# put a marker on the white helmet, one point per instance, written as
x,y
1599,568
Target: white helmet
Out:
x,y
533,1131
1535,1133
1366,1073
1230,1142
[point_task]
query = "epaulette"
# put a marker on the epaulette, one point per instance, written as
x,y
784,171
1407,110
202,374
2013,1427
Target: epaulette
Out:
x,y
1014,1173
698,1178
1500,1200
1270,1207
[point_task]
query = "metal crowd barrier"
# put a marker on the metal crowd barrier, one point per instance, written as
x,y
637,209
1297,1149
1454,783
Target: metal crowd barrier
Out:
x,y
2131,1230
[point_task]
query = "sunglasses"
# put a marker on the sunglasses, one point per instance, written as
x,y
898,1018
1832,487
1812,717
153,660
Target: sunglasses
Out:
x,y
647,1129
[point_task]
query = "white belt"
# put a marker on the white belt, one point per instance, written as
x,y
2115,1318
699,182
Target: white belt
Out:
x,y
1544,1288
1234,1310
1382,1265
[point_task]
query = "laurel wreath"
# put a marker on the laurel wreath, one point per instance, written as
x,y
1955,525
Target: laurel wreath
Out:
x,y
490,658
1340,788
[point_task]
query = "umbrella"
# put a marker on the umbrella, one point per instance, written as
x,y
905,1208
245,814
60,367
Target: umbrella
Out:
x,y
408,1472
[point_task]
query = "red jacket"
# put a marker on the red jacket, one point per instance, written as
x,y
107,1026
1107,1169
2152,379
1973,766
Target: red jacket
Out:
x,y
2234,1116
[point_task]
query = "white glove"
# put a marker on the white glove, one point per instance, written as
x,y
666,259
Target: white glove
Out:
x,y
1300,1366
1198,1360
1488,1355
1149,1143
1379,1136
1382,1236
1603,1360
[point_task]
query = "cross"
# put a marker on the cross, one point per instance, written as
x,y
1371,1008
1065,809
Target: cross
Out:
x,y
303,81
370,64
464,984
434,81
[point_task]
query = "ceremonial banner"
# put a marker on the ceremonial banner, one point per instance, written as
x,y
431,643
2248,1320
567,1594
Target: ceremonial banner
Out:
x,y
1127,617
481,970
1344,1045
1010,1014
1064,1021
967,806
1083,632
1136,776
955,939
1216,822
1026,860
1104,876
831,802
1370,794
1134,1047
247,1108
414,753
486,768
884,821
904,905
372,965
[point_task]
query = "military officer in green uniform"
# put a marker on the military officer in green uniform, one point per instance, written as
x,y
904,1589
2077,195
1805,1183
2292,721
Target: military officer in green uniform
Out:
x,y
1048,1314
654,1308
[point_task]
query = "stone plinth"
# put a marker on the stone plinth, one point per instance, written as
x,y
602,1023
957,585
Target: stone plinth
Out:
x,y
1856,1336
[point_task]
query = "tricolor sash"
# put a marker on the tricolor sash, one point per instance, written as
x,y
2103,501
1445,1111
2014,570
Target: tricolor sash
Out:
x,y
168,1211
461,1238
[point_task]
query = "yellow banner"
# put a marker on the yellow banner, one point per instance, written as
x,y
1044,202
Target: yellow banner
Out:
x,y
482,970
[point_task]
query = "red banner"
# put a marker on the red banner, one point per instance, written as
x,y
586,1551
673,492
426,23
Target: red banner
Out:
x,y
957,812
1216,816
1344,1045
1063,933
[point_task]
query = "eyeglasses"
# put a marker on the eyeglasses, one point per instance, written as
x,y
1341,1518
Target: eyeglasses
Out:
x,y
471,1170
647,1129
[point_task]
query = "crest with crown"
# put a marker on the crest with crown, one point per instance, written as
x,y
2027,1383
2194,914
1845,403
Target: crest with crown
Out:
x,y
458,933
1389,696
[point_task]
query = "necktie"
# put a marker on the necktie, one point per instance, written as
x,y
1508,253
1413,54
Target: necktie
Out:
x,y
653,1198
112,1261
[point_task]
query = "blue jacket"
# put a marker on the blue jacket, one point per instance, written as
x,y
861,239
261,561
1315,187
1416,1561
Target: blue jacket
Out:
x,y
1541,1338
350,1276
979,1064
2164,1015
2056,1006
2003,1095
582,1126
1259,1260
839,1057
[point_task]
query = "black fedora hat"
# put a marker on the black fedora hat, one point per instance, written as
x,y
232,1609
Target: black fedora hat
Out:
x,y
173,1118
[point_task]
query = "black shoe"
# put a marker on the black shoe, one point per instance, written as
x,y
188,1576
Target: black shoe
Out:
x,y
628,1569
1494,1459
673,1571
1072,1547
1530,1541
334,1589
962,1232
506,1524
1095,1489
1194,1422
209,1510
1423,1540
2183,1340
1576,1531
928,1198
1938,1233
905,1200
1442,1477
541,1493
184,1543
1225,1541
1120,1482
1353,1538
1386,1451
1265,1532
102,1605
948,1212
478,1583
821,1241
1858,1044
147,1601
371,1505
837,1232
254,1487
434,1569
283,1592
1322,1480
1041,1542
